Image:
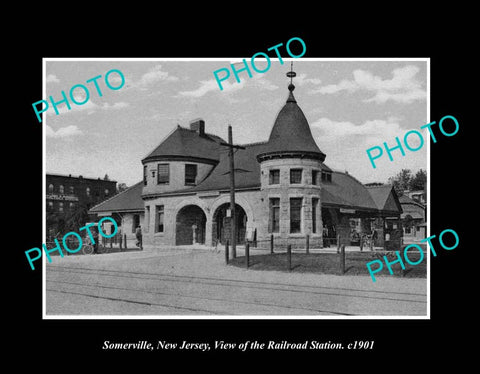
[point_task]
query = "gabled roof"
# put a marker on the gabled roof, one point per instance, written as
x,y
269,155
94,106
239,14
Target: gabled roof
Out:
x,y
129,200
404,199
385,198
184,143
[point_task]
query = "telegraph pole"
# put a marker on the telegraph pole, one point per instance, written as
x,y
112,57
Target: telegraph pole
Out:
x,y
233,223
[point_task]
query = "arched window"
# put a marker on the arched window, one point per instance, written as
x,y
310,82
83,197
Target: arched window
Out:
x,y
61,189
72,190
60,207
50,188
87,190
106,191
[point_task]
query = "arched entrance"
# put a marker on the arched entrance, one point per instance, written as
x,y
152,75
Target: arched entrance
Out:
x,y
190,226
221,224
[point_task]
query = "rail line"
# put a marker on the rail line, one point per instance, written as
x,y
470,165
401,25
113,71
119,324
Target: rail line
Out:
x,y
243,283
182,296
55,285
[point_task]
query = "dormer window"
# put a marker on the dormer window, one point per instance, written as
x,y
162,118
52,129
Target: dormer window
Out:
x,y
326,176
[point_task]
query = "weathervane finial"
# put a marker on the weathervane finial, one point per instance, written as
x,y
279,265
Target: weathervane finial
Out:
x,y
291,74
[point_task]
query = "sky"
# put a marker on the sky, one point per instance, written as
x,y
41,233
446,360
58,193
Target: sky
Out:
x,y
350,105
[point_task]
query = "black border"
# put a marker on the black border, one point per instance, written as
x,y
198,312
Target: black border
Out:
x,y
394,339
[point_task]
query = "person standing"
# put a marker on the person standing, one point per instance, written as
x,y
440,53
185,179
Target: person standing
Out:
x,y
138,234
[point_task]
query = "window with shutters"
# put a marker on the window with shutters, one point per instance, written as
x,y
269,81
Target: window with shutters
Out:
x,y
163,174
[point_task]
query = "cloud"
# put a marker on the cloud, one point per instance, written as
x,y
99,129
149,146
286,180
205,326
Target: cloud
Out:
x,y
51,78
119,105
346,143
402,88
90,106
301,80
64,132
154,75
211,85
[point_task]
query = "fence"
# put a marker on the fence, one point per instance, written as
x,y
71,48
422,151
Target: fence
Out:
x,y
118,243
336,262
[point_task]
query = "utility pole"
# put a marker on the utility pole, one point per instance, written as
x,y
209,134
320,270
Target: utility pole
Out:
x,y
233,223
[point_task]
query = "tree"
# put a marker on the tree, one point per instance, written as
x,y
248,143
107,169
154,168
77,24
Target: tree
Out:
x,y
418,181
401,181
121,187
76,218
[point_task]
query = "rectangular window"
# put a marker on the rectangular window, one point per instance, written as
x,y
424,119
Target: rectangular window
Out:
x,y
295,215
159,219
295,176
144,175
163,174
274,177
314,214
274,215
190,173
315,177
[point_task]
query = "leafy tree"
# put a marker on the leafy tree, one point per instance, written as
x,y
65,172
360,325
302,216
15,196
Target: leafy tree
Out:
x,y
401,181
419,180
121,187
77,218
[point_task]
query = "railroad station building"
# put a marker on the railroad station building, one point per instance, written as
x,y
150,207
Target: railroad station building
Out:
x,y
283,187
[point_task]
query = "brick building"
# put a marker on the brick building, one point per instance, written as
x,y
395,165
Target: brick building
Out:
x,y
283,187
68,196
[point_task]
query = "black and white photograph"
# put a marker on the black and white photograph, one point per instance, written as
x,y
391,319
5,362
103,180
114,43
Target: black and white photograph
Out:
x,y
249,197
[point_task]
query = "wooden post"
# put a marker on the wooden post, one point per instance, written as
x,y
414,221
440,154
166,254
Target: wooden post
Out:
x,y
233,219
271,243
307,244
289,257
125,240
233,227
342,259
338,243
361,243
120,241
247,254
226,252
111,243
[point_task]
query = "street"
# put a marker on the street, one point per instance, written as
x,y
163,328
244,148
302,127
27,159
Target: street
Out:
x,y
196,283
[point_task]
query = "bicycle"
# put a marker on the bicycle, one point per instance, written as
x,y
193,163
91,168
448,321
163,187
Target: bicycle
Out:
x,y
87,249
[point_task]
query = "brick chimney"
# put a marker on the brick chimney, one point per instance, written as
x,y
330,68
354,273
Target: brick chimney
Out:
x,y
198,125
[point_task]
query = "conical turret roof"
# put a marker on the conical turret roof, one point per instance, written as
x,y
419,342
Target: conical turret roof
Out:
x,y
291,134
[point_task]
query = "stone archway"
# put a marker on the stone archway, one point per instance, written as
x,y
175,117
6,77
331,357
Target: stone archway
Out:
x,y
190,225
221,229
